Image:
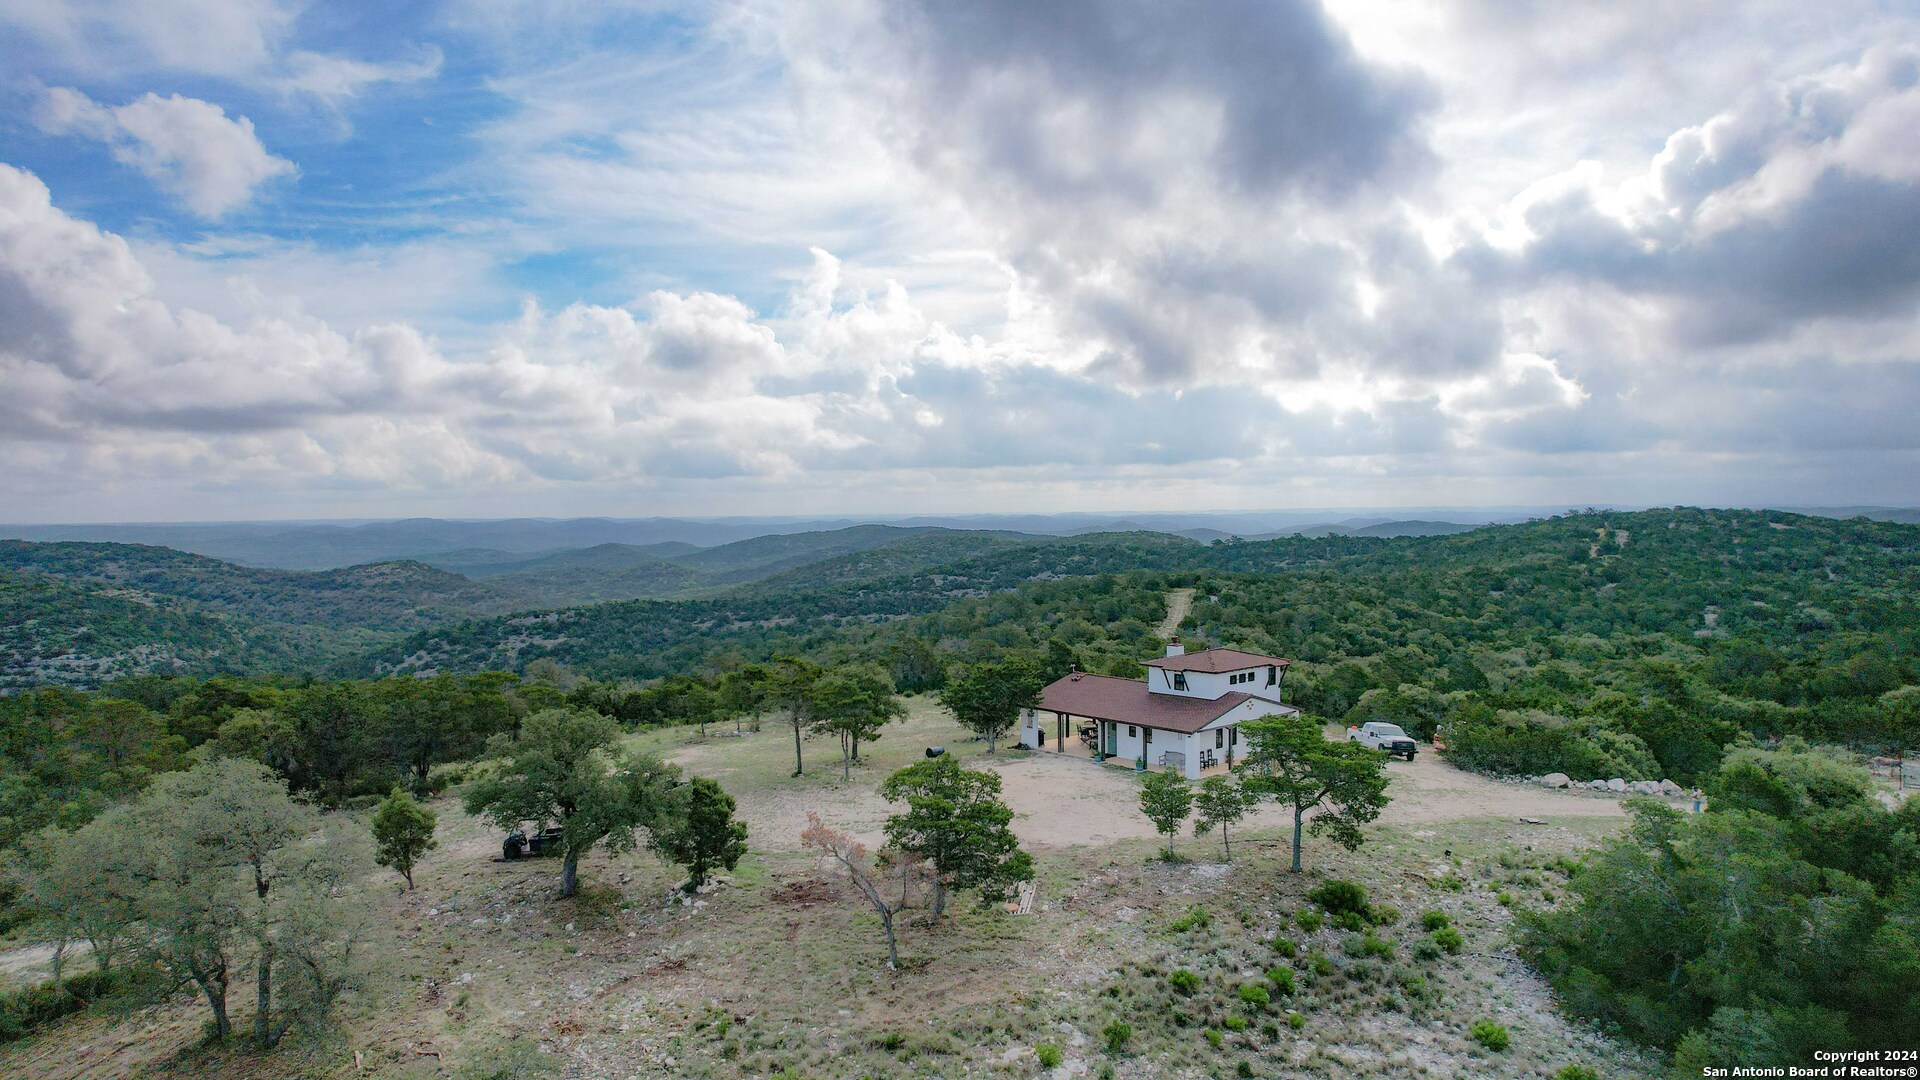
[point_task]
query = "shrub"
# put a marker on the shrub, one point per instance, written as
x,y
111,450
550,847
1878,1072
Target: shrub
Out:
x,y
1449,939
1339,897
1256,996
1426,949
1373,946
1235,1023
1308,919
24,1010
1452,882
1296,1021
1050,1055
1282,979
1435,920
1117,1034
1490,1034
1184,981
1320,964
1196,918
1576,1072
1214,1038
1351,921
1285,947
1504,897
1243,1069
1385,914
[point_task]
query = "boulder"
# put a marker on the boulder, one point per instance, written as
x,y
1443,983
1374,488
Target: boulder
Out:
x,y
1597,785
1644,787
1616,785
1671,790
1556,780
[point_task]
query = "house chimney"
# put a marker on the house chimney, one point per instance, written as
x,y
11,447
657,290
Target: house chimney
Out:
x,y
1174,648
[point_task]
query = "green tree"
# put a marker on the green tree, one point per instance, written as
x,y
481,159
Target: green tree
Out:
x,y
80,884
566,769
743,692
853,703
221,867
956,821
790,689
1166,800
699,831
402,832
988,698
1292,763
1222,803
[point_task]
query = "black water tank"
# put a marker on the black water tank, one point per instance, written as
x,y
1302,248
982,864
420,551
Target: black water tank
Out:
x,y
936,751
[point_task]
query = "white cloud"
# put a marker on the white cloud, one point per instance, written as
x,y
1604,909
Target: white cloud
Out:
x,y
188,147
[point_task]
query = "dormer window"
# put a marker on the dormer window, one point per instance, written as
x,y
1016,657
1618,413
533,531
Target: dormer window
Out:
x,y
1179,680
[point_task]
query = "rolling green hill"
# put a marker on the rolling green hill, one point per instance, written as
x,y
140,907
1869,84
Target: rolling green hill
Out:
x,y
381,596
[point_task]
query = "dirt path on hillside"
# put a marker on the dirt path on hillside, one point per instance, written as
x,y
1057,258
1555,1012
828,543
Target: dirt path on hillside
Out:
x,y
1179,602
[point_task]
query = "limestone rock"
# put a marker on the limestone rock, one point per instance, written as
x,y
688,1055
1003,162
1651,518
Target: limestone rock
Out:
x,y
1671,789
1555,780
1644,787
1616,785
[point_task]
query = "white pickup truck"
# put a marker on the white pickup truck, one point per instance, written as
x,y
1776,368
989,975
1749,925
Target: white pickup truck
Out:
x,y
1386,737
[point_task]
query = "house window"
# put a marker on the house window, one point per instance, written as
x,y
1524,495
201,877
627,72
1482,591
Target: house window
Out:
x,y
1235,736
1179,680
1219,738
1271,668
1131,733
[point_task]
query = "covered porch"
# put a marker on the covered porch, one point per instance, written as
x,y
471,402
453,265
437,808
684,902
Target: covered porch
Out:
x,y
1209,752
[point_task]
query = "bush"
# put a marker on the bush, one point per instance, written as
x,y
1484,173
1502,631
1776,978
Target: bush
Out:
x,y
1427,949
1350,921
1308,919
1490,1034
1256,996
1435,920
1320,964
1214,1038
1449,939
1243,1069
1282,979
24,1010
1296,1021
1186,982
1385,914
1050,1055
1285,947
1504,897
1117,1034
1196,918
1340,897
1235,1023
1576,1072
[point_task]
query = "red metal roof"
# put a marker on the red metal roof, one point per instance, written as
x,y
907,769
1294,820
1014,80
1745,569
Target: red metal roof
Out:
x,y
1215,661
1128,701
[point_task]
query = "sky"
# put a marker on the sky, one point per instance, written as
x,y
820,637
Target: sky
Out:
x,y
490,258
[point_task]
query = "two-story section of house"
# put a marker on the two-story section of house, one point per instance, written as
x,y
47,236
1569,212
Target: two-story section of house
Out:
x,y
1184,716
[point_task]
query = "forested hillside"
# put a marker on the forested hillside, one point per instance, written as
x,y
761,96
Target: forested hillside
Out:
x,y
1597,643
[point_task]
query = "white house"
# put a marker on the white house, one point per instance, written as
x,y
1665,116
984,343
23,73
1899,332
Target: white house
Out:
x,y
1185,715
